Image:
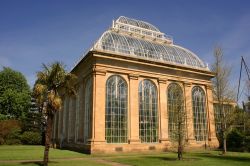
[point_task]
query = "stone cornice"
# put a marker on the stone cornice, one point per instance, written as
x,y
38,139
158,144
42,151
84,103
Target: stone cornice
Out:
x,y
209,87
187,84
180,68
133,76
99,72
162,80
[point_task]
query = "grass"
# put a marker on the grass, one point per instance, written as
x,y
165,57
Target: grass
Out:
x,y
208,158
55,163
66,157
23,152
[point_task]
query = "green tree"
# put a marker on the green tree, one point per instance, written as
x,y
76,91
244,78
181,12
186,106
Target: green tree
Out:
x,y
14,94
33,120
51,82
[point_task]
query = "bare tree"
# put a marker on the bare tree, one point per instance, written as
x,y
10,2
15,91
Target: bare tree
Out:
x,y
223,93
177,118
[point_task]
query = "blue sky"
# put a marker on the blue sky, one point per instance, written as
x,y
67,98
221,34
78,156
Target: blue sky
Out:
x,y
33,32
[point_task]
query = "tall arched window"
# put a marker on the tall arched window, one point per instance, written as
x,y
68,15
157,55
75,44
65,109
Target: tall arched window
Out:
x,y
176,114
199,113
116,110
148,112
87,111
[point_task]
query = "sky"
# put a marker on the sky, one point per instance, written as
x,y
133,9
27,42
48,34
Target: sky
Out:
x,y
33,32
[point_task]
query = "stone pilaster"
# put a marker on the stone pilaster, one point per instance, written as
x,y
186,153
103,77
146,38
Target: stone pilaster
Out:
x,y
77,116
212,139
66,120
163,117
98,115
60,123
133,109
81,112
189,112
73,119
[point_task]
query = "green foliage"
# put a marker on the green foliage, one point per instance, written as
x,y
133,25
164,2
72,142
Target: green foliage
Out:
x,y
14,94
32,121
31,138
247,143
3,117
238,141
11,133
235,139
9,129
13,137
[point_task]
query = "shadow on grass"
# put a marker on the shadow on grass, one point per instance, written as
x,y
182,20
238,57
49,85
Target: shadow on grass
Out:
x,y
39,163
164,158
225,157
78,150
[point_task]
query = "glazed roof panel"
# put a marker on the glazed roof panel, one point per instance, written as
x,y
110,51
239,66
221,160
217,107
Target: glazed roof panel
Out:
x,y
132,46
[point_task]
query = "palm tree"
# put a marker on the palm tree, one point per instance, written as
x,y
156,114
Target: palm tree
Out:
x,y
52,82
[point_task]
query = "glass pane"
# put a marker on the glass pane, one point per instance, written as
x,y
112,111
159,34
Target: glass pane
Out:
x,y
199,114
176,111
116,110
148,112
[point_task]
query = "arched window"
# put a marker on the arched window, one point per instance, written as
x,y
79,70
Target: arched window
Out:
x,y
87,111
148,112
199,114
116,110
176,114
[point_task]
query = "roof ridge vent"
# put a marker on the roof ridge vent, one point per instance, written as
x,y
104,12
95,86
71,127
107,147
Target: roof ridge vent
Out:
x,y
141,28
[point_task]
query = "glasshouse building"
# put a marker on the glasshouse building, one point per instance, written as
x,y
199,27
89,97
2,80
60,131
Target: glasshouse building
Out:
x,y
130,84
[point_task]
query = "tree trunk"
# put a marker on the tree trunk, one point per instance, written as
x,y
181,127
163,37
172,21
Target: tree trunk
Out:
x,y
224,145
179,145
179,152
47,139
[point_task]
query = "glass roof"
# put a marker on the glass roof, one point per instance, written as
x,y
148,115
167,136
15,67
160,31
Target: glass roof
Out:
x,y
137,23
151,50
140,39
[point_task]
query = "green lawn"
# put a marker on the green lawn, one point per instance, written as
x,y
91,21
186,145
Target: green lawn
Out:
x,y
36,153
207,158
33,152
66,157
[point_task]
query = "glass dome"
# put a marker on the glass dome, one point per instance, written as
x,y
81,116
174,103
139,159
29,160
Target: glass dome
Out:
x,y
151,50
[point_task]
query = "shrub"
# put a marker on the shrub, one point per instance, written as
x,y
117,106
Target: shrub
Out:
x,y
6,127
3,117
31,138
13,137
247,143
235,140
1,141
10,131
13,142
